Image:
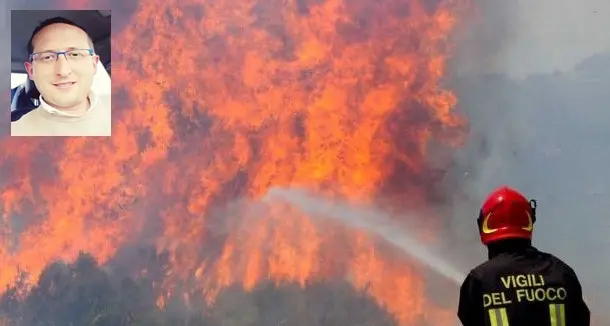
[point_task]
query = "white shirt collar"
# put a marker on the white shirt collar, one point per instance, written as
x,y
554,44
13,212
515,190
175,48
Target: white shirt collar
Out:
x,y
93,99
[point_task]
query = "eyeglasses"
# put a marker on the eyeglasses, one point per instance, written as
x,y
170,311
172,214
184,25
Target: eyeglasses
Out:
x,y
52,56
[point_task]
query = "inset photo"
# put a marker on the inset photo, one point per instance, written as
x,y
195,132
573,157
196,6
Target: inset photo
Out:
x,y
60,73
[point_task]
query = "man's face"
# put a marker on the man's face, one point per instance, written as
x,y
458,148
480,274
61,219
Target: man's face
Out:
x,y
63,83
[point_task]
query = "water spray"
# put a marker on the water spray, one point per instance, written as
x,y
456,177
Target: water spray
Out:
x,y
371,220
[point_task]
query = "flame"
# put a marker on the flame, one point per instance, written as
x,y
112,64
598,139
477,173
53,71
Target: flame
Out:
x,y
221,100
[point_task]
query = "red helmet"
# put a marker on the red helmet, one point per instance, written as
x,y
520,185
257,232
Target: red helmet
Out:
x,y
506,214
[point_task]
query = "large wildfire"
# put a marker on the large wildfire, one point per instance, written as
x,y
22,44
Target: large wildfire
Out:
x,y
217,101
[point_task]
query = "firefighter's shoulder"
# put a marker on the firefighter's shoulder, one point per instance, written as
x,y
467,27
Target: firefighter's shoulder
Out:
x,y
531,261
498,264
480,270
559,265
476,276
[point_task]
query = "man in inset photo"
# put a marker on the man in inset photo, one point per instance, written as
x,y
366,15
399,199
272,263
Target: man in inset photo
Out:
x,y
62,64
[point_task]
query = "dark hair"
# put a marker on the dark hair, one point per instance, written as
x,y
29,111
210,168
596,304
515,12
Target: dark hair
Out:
x,y
51,21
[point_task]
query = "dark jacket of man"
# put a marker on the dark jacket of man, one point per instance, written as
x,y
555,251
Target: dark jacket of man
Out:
x,y
522,286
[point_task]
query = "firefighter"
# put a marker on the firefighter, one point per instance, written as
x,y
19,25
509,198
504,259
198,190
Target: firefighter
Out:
x,y
518,285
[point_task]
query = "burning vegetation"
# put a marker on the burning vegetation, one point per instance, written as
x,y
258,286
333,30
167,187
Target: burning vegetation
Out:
x,y
214,103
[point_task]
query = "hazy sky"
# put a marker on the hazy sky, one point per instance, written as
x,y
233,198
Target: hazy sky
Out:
x,y
539,36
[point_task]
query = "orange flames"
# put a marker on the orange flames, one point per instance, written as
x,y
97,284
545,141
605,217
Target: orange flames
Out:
x,y
221,100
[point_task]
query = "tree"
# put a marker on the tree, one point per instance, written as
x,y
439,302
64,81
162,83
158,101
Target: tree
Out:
x,y
82,293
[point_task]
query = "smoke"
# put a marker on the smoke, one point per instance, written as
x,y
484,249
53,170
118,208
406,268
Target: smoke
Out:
x,y
544,134
522,37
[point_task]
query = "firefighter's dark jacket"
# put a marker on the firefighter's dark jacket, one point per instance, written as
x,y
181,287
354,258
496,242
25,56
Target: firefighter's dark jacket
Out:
x,y
522,287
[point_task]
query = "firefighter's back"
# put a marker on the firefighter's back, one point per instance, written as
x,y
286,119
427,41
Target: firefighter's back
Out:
x,y
530,288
